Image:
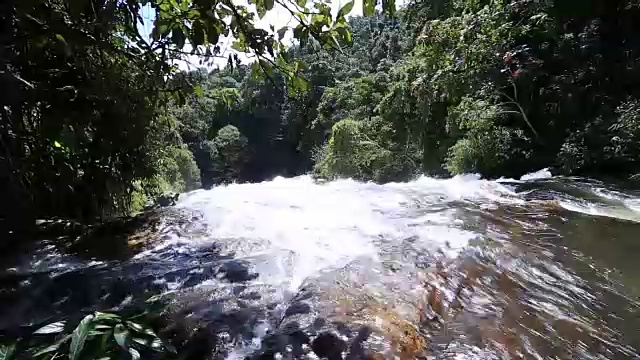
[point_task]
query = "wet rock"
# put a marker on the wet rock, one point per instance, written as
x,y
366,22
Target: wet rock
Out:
x,y
236,271
123,237
298,307
289,339
329,345
164,200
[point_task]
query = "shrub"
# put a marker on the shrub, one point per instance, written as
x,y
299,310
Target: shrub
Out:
x,y
97,336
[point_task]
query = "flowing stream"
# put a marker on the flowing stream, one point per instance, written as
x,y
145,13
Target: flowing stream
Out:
x,y
462,268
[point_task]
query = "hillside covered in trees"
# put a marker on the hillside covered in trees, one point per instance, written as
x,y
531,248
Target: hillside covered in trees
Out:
x,y
100,120
498,88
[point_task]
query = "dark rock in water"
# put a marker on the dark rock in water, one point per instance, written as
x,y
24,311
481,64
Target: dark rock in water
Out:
x,y
288,339
329,345
298,307
165,200
236,271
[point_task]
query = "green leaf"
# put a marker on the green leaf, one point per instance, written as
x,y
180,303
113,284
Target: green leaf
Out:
x,y
103,327
79,337
55,327
320,20
213,35
345,34
159,30
268,4
99,316
237,45
141,341
93,333
46,350
157,345
197,34
261,8
51,348
282,31
6,351
346,9
177,36
198,91
140,329
368,7
120,334
61,38
301,3
135,355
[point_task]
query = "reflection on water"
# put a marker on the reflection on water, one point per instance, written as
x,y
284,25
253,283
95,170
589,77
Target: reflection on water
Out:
x,y
461,268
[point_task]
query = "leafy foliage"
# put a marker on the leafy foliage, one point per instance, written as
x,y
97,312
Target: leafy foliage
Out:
x,y
98,335
87,132
358,150
500,88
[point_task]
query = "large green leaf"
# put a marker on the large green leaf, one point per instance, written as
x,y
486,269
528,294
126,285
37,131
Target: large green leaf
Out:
x,y
79,337
120,334
51,348
346,9
6,351
52,328
197,34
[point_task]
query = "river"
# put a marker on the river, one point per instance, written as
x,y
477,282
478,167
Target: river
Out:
x,y
463,268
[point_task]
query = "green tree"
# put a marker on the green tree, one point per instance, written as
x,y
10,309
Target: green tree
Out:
x,y
230,153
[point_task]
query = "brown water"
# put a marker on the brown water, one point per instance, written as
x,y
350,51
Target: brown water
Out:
x,y
460,268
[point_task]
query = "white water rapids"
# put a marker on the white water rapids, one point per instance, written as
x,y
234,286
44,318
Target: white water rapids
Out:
x,y
294,256
301,228
295,231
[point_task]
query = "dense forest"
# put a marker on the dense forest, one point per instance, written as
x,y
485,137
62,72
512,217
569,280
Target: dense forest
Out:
x,y
98,120
498,88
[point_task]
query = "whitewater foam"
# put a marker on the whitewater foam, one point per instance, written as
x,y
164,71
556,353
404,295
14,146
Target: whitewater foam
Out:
x,y
294,228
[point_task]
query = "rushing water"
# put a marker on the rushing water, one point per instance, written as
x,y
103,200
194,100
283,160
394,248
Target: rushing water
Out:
x,y
460,268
